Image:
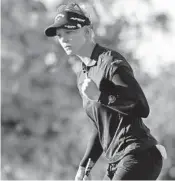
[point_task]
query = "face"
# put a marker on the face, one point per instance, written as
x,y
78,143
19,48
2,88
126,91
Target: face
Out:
x,y
71,40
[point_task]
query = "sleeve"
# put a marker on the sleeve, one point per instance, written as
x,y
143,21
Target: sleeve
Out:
x,y
133,87
120,81
115,93
94,148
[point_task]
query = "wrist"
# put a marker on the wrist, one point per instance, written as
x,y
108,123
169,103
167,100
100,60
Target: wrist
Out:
x,y
89,167
81,168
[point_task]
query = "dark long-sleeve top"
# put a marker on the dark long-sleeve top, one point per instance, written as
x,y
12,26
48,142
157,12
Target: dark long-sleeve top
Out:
x,y
116,116
132,92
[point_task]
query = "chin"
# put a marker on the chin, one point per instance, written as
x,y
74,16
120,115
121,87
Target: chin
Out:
x,y
70,52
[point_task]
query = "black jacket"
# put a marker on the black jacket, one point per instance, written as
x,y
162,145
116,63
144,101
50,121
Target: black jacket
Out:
x,y
117,127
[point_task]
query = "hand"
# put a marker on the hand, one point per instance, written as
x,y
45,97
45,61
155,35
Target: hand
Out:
x,y
90,90
87,177
88,168
80,173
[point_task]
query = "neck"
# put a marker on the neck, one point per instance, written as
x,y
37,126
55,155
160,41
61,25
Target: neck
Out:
x,y
85,52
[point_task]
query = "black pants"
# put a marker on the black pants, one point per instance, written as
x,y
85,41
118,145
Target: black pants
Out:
x,y
145,165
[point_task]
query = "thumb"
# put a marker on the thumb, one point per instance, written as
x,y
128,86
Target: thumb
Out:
x,y
87,79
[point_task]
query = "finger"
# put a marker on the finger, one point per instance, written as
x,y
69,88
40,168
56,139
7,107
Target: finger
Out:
x,y
83,93
108,53
86,81
83,89
85,84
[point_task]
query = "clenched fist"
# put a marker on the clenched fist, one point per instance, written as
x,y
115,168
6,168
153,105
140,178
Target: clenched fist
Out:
x,y
90,90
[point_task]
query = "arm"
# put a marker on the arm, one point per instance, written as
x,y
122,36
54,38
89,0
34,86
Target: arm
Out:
x,y
120,82
93,150
142,107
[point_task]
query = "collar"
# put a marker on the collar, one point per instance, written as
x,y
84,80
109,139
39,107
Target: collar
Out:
x,y
98,50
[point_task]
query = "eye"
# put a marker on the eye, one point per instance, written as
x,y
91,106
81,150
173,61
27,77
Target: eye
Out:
x,y
58,35
68,32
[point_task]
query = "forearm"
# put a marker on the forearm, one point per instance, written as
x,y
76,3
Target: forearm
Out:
x,y
110,88
131,94
142,107
125,98
93,150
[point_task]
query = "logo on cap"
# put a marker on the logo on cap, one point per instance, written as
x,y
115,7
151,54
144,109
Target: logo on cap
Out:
x,y
69,26
59,16
79,25
78,19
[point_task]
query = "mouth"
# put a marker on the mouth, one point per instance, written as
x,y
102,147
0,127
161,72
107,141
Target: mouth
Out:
x,y
67,47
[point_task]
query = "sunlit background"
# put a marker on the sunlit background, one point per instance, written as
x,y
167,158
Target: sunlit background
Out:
x,y
44,129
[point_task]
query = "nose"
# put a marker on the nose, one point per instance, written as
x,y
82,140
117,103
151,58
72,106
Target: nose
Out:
x,y
64,38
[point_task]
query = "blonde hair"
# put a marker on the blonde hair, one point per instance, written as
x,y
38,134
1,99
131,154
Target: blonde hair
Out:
x,y
86,9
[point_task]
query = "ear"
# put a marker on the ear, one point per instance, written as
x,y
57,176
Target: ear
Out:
x,y
87,31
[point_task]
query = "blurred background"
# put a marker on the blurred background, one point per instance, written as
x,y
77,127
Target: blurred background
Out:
x,y
42,120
